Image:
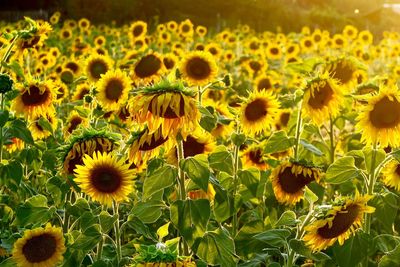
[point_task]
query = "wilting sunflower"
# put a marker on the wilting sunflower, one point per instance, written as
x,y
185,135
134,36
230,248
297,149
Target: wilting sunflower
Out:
x,y
148,69
322,99
96,65
289,180
339,223
379,120
34,38
252,156
258,112
391,174
166,104
73,122
40,247
105,178
35,97
38,131
199,68
86,143
144,145
113,89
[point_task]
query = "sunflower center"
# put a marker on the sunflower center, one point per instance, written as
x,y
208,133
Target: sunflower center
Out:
x,y
256,156
264,84
386,113
185,28
33,96
274,51
97,68
284,119
308,43
341,223
198,68
114,89
31,42
74,124
72,66
106,179
398,169
255,65
168,63
39,248
343,72
292,183
256,110
137,31
191,147
321,97
147,66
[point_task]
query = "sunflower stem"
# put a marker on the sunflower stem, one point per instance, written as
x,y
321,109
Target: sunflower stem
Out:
x,y
332,141
117,232
298,129
234,191
200,92
182,188
1,130
7,54
370,190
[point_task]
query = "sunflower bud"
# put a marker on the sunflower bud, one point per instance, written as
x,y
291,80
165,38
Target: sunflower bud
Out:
x,y
6,83
227,80
88,99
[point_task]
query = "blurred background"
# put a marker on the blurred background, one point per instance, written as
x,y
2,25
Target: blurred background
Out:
x,y
275,15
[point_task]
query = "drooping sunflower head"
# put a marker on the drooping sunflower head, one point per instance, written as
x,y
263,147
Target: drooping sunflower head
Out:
x,y
96,65
258,112
34,37
379,120
36,97
39,247
252,156
148,69
344,70
391,174
199,68
105,178
339,223
289,180
322,99
37,122
113,89
73,122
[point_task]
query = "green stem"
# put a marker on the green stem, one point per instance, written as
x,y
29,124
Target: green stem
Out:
x,y
332,141
200,92
234,191
298,134
370,189
1,130
182,195
100,248
7,54
117,232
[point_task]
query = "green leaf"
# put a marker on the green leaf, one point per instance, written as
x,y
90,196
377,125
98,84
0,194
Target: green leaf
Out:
x,y
107,221
217,248
88,239
78,208
342,170
9,262
4,114
288,218
299,247
136,224
208,121
15,171
311,147
250,178
353,251
148,212
274,237
196,168
310,196
45,124
163,231
160,179
34,211
190,217
222,210
18,129
386,242
221,160
278,141
391,259
368,154
238,139
15,67
386,208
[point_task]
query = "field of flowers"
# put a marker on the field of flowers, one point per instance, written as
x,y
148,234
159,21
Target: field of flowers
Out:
x,y
178,145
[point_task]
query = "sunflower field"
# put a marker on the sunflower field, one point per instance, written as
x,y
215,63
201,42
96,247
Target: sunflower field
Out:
x,y
179,145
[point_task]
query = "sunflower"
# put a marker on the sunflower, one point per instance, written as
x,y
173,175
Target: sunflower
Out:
x,y
366,37
87,143
274,51
339,224
282,119
80,91
84,24
167,104
252,156
73,65
113,89
322,99
36,37
338,41
16,144
170,61
35,97
256,66
96,65
104,178
148,69
350,31
65,34
307,44
344,70
198,68
379,120
289,180
292,49
391,174
214,49
37,130
186,28
172,26
144,145
73,122
264,82
258,112
40,247
138,29
201,31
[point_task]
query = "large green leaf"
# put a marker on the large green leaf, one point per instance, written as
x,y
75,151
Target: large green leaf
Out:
x,y
250,178
222,202
34,211
353,251
196,168
278,141
160,179
386,208
391,259
221,160
88,239
274,237
217,248
148,212
287,218
300,248
342,170
368,155
191,218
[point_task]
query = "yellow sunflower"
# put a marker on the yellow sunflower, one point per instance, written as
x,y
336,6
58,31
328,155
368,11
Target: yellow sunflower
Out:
x,y
113,88
264,82
138,29
282,119
168,105
80,91
199,68
344,70
170,61
40,247
391,174
148,69
258,112
339,224
289,180
38,132
105,178
201,194
73,122
274,51
379,120
252,156
35,97
186,28
322,99
96,65
36,37
16,144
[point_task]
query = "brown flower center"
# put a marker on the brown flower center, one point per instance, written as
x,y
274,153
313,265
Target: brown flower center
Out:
x,y
341,223
39,248
114,89
398,169
256,110
386,113
292,183
72,66
343,72
137,30
34,97
264,84
82,93
274,51
198,68
321,97
169,63
106,179
256,156
255,65
97,67
147,66
74,123
191,147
